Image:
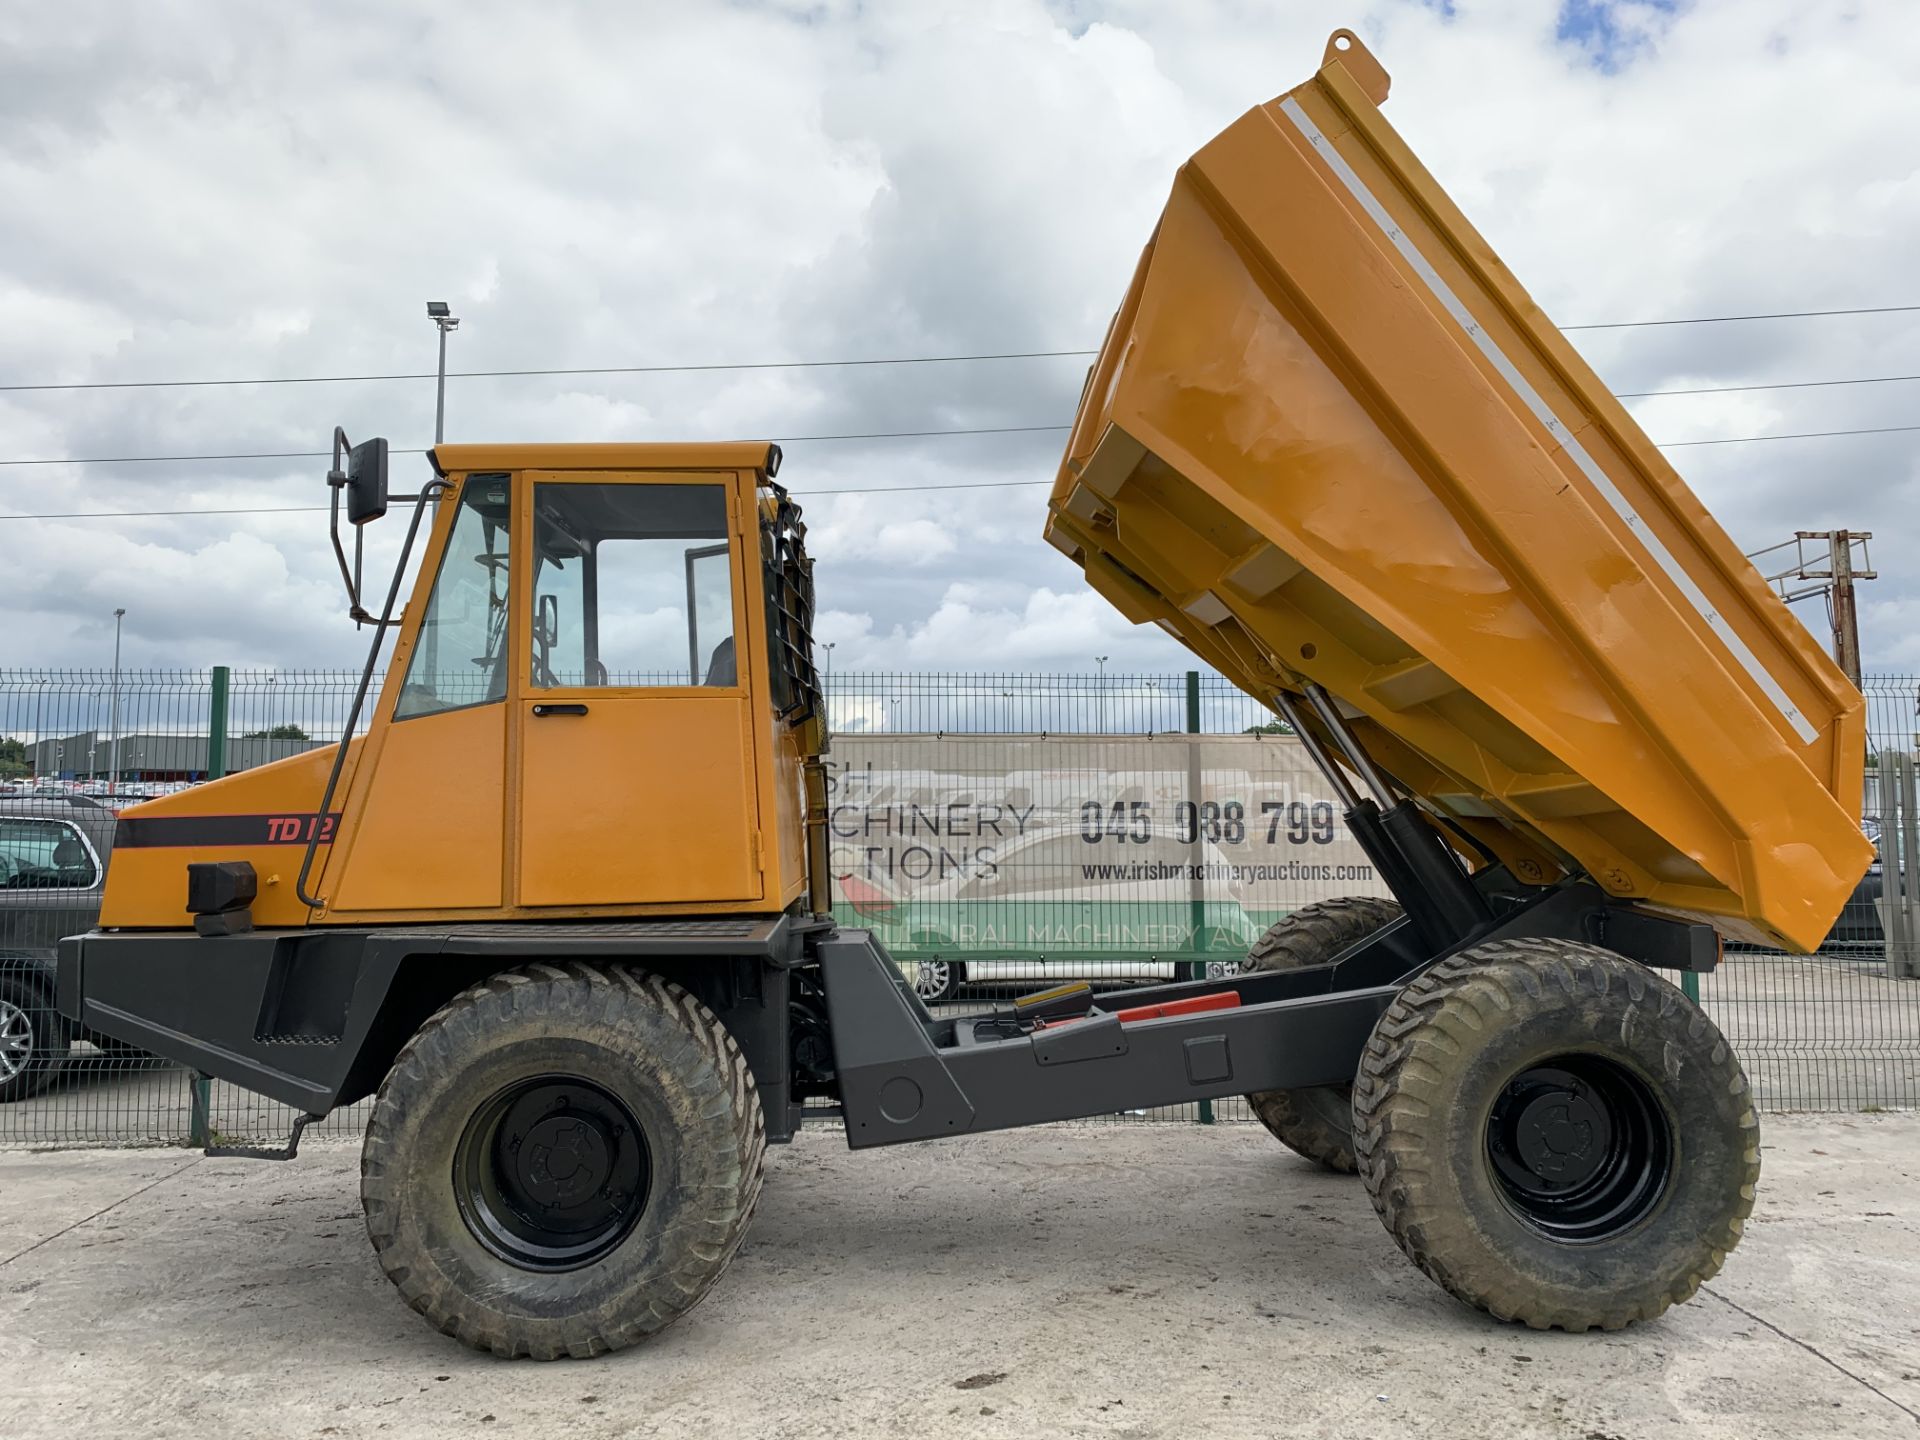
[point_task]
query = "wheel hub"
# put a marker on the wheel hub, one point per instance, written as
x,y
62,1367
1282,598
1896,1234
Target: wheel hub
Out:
x,y
552,1173
1561,1136
563,1161
1580,1147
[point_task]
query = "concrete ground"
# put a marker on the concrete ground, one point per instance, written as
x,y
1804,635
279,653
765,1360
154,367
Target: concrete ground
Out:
x,y
1162,1280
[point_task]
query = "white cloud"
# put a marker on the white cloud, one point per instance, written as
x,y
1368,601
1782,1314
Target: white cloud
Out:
x,y
192,191
1003,625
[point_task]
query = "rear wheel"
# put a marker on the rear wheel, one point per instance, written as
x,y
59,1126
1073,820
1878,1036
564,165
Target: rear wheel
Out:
x,y
1317,1122
1556,1135
563,1161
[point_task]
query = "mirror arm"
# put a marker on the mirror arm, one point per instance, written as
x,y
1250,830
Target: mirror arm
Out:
x,y
336,482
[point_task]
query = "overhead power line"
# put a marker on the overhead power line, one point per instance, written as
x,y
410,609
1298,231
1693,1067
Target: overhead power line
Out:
x,y
321,509
327,454
685,369
584,370
1803,435
1771,385
802,494
1730,319
878,435
911,360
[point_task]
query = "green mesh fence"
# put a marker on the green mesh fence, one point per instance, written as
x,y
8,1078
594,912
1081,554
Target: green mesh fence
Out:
x,y
1000,831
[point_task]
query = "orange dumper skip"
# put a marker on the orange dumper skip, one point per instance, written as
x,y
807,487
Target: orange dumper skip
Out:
x,y
1330,440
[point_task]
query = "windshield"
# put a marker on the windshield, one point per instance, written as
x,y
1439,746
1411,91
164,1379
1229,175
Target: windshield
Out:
x,y
460,656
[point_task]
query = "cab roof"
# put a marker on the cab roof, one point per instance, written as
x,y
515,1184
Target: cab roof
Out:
x,y
761,455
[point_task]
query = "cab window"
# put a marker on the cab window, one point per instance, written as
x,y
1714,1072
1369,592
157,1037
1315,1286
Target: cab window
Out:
x,y
460,657
633,585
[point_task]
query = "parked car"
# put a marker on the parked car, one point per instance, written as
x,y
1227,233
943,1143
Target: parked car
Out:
x,y
53,867
1052,907
1859,922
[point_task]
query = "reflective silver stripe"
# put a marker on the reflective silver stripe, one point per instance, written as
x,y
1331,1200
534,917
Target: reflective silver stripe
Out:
x,y
1599,478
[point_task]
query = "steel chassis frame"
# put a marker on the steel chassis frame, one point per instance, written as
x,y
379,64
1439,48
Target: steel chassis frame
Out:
x,y
314,1017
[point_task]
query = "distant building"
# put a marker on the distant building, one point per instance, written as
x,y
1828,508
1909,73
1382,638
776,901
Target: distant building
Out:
x,y
89,755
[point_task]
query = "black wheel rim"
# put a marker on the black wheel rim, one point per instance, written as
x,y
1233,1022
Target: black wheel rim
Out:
x,y
552,1173
1580,1147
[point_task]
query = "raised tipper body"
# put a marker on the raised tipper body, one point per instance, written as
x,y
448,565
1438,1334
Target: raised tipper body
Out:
x,y
1330,440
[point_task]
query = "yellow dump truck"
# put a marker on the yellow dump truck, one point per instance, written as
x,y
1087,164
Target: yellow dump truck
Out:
x,y
1331,445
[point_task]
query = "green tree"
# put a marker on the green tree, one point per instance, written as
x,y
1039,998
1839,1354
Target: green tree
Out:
x,y
13,758
278,732
1272,727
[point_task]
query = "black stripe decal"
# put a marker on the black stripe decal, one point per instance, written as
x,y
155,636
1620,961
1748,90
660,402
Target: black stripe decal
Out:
x,y
148,832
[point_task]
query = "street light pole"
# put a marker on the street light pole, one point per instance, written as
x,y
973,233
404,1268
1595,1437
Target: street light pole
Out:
x,y
1100,702
113,722
444,320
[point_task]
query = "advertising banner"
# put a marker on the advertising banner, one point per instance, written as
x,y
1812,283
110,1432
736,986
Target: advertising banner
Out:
x,y
1025,857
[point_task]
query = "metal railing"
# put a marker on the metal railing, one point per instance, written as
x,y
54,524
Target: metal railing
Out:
x,y
1834,1031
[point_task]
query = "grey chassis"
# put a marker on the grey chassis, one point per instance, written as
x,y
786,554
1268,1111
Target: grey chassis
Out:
x,y
314,1017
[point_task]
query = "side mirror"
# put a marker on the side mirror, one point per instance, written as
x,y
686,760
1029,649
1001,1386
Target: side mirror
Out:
x,y
367,481
361,471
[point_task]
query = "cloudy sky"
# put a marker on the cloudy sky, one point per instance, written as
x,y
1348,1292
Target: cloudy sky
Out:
x,y
218,191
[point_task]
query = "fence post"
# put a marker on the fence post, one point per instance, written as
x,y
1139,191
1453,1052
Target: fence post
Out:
x,y
1900,864
217,724
200,1112
1195,776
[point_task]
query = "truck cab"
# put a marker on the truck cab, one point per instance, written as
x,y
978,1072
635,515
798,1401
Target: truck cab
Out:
x,y
601,699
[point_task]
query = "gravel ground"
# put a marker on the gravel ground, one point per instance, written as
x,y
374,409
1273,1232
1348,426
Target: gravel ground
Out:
x,y
1166,1280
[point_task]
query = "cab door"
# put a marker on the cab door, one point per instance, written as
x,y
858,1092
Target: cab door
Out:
x,y
635,733
424,827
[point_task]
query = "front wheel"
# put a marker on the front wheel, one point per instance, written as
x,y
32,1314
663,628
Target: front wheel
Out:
x,y
1556,1135
563,1161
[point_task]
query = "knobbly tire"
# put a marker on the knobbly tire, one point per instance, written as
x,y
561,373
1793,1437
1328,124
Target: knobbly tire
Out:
x,y
1556,1135
562,1161
1316,1122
